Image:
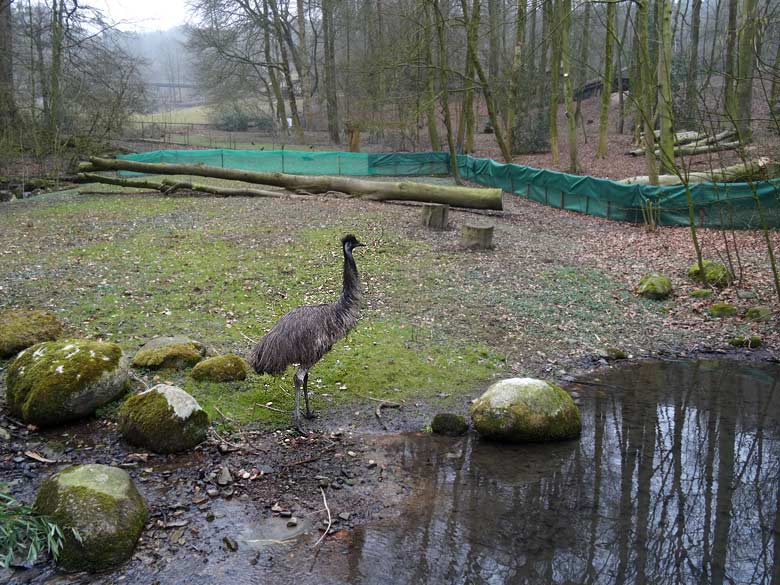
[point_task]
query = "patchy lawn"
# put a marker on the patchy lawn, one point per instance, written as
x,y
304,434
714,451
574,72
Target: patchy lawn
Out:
x,y
438,323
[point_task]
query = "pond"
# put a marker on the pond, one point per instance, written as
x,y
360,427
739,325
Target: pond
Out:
x,y
674,480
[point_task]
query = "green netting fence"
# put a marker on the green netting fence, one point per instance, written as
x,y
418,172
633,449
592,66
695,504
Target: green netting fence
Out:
x,y
732,205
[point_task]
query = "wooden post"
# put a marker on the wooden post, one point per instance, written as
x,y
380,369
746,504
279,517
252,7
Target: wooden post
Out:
x,y
477,237
435,216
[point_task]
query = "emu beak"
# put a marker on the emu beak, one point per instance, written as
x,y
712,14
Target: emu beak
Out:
x,y
359,245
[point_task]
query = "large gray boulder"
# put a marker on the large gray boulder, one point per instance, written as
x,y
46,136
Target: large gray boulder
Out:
x,y
177,352
19,329
163,419
60,381
520,410
103,505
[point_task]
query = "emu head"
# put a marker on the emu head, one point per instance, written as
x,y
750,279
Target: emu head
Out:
x,y
350,242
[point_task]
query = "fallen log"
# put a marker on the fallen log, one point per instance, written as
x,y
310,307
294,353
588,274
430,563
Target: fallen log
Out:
x,y
682,137
700,145
169,186
752,170
475,198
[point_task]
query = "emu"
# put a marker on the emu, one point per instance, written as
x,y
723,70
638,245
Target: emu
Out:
x,y
307,333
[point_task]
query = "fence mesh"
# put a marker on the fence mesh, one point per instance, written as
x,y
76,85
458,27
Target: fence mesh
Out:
x,y
732,205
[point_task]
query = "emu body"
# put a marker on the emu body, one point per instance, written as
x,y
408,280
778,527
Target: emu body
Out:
x,y
307,333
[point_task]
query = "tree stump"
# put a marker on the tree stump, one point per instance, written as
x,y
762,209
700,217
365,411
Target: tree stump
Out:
x,y
435,216
477,237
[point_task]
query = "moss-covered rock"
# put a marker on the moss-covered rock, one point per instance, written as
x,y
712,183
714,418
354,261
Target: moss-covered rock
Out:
x,y
702,293
612,353
714,274
758,313
176,352
520,410
654,286
722,310
221,368
163,419
749,342
446,423
59,381
21,329
103,505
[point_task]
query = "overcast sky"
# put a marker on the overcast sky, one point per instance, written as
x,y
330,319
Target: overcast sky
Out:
x,y
144,15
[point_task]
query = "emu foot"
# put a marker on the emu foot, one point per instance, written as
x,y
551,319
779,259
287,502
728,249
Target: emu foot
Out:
x,y
310,415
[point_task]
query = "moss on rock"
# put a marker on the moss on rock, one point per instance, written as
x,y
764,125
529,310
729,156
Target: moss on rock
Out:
x,y
722,310
714,274
654,286
758,313
521,410
221,368
749,342
59,381
446,423
103,505
702,293
163,419
176,353
21,329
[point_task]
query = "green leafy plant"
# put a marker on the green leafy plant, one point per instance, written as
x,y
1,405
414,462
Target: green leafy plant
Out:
x,y
25,534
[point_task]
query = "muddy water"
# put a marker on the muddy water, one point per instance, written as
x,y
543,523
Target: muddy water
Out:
x,y
675,480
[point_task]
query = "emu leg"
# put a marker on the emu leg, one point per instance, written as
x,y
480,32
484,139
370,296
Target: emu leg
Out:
x,y
309,414
298,381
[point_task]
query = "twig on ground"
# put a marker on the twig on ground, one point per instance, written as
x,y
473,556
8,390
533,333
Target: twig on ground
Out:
x,y
271,408
245,336
378,412
330,520
139,379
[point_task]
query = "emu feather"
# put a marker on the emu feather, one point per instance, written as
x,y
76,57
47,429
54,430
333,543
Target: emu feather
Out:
x,y
304,335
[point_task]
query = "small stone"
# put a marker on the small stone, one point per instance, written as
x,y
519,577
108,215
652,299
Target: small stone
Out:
x,y
198,500
350,481
224,476
228,492
276,508
654,286
285,514
722,310
746,295
324,483
212,492
344,516
210,516
351,453
292,522
230,543
371,464
4,434
447,423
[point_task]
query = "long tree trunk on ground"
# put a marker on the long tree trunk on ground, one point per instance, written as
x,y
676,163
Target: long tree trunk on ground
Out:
x,y
487,92
606,90
665,86
691,84
745,66
430,93
331,101
552,11
441,33
730,81
571,121
7,100
475,198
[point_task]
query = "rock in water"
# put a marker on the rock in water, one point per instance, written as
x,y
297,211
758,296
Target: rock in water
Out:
x,y
163,419
176,352
446,423
21,329
654,286
221,368
520,410
103,505
59,381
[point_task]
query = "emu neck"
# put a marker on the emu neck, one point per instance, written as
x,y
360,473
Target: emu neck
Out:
x,y
350,292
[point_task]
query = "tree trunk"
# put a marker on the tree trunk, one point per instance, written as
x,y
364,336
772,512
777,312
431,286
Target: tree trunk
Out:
x,y
467,124
729,91
648,89
7,99
753,170
302,63
430,93
552,7
441,34
692,85
665,86
571,118
583,69
745,66
606,91
518,105
331,100
285,62
375,190
281,109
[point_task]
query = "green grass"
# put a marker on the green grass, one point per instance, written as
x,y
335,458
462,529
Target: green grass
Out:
x,y
191,115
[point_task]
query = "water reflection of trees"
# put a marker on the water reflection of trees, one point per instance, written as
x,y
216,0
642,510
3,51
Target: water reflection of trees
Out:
x,y
675,480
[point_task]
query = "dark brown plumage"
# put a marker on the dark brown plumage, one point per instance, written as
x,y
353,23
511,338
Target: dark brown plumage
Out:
x,y
307,333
